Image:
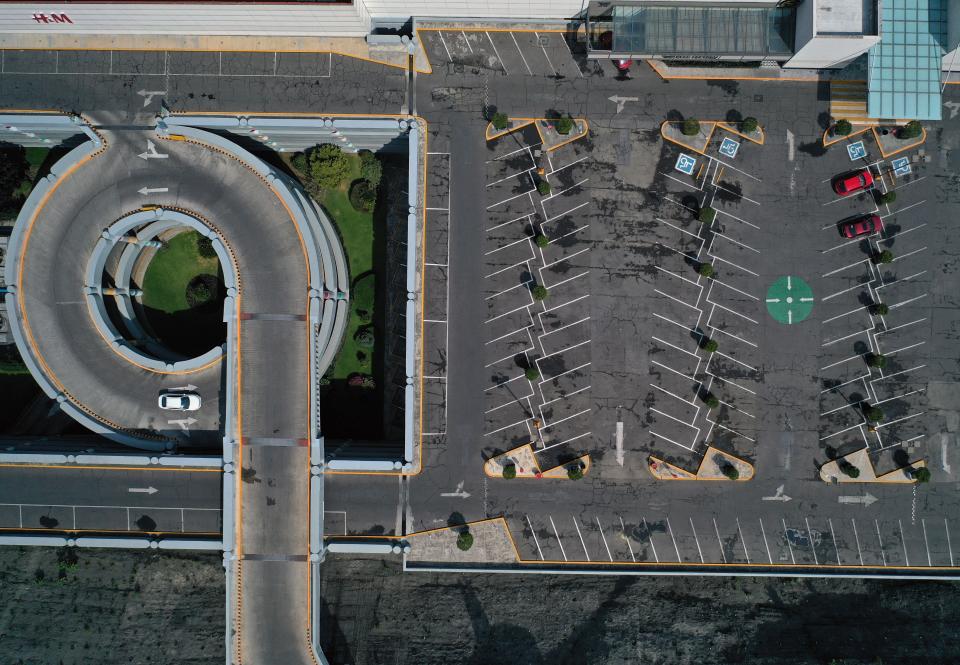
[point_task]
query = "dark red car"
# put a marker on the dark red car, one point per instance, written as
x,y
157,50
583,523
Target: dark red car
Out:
x,y
853,182
861,226
623,65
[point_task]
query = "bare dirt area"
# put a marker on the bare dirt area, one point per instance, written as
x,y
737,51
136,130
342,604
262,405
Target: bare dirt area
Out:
x,y
81,606
373,614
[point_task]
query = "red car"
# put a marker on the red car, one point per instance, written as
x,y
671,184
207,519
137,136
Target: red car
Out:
x,y
861,226
623,65
853,182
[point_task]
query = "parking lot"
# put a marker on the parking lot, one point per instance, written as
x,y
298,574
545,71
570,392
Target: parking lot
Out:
x,y
537,353
546,53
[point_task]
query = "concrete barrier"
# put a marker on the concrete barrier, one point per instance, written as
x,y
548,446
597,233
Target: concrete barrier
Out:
x,y
228,516
316,509
189,544
131,543
117,460
345,547
360,465
34,541
33,458
189,461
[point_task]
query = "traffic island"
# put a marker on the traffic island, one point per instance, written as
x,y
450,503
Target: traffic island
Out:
x,y
836,133
573,470
747,129
893,139
522,460
499,127
553,132
715,465
858,468
489,542
673,131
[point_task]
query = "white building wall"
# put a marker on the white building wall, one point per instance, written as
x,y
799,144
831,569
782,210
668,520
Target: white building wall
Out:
x,y
507,9
185,19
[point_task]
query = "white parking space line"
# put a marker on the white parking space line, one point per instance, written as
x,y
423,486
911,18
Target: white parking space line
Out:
x,y
544,49
856,537
527,193
604,538
525,262
840,316
697,541
923,524
512,288
626,538
742,541
883,556
563,327
567,212
727,309
729,334
739,362
813,547
650,538
856,286
581,538
445,48
520,51
539,551
515,242
565,396
851,265
502,64
787,538
763,532
566,257
564,442
903,543
511,176
471,50
512,221
949,546
557,534
557,422
512,332
733,288
675,548
519,422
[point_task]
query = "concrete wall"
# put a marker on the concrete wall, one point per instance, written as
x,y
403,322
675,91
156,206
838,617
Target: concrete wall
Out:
x,y
828,52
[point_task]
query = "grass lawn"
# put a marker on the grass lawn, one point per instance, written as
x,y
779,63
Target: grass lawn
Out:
x,y
357,233
167,276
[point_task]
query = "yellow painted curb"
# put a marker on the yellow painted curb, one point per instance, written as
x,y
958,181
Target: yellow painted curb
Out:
x,y
526,122
559,472
662,470
920,141
713,127
830,471
491,465
492,133
826,133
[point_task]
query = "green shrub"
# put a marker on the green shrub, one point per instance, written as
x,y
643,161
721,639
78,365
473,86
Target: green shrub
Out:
x,y
877,360
300,163
539,292
541,240
563,125
730,471
205,247
848,469
749,125
711,401
886,256
842,128
543,187
911,130
499,120
371,169
706,269
464,541
920,474
363,196
874,413
710,345
328,166
532,373
201,290
510,471
575,471
707,215
879,309
365,338
887,197
690,127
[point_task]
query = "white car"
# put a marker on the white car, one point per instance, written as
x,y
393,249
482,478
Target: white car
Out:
x,y
179,401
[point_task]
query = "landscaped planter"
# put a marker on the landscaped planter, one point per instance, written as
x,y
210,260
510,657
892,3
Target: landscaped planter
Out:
x,y
672,131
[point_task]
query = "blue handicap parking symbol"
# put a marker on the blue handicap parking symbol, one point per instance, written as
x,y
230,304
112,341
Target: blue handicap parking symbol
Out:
x,y
729,147
856,151
685,164
901,166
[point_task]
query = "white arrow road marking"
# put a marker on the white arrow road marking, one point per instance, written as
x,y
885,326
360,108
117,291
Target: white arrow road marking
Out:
x,y
620,443
954,108
148,95
779,496
184,423
143,490
866,499
622,101
943,452
459,493
153,190
151,152
790,146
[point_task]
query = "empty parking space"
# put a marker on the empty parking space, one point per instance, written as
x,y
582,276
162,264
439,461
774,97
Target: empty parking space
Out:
x,y
540,53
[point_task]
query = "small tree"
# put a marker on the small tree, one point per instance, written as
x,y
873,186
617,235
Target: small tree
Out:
x,y
543,187
848,469
710,345
911,130
877,360
464,541
532,373
842,128
920,474
499,120
563,124
300,163
509,471
707,215
363,195
706,269
541,240
879,309
887,197
749,125
328,166
575,471
886,256
873,413
690,127
539,292
730,471
371,169
205,247
711,401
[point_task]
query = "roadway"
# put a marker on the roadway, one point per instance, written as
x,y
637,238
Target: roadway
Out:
x,y
109,499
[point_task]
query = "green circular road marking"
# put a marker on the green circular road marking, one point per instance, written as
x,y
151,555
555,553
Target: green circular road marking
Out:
x,y
789,300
